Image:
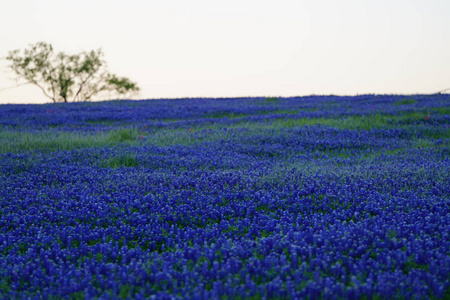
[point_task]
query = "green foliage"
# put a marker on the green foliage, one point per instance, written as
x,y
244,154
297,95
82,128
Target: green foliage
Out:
x,y
225,114
359,122
272,100
406,101
411,264
441,110
125,291
423,143
123,135
125,160
56,140
5,284
48,141
64,78
51,140
391,234
77,295
290,123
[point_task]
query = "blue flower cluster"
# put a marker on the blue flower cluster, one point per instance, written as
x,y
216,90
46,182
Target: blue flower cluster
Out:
x,y
249,202
184,112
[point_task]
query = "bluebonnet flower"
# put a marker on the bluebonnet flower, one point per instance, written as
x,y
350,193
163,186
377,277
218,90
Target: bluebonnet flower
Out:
x,y
292,198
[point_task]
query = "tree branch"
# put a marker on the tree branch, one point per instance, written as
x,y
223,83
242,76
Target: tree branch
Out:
x,y
32,81
95,92
12,87
63,77
438,92
81,85
43,90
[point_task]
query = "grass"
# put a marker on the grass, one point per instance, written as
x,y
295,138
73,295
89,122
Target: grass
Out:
x,y
406,101
235,115
364,122
441,110
50,140
126,160
53,140
271,100
225,114
123,135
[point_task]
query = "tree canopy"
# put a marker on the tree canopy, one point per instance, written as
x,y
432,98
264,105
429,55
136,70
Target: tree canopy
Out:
x,y
65,78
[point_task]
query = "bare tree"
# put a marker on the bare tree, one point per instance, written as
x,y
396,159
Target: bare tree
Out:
x,y
65,78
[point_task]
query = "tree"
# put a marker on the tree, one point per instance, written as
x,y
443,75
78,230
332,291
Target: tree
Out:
x,y
65,78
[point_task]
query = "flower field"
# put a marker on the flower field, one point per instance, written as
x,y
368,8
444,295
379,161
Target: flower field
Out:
x,y
319,197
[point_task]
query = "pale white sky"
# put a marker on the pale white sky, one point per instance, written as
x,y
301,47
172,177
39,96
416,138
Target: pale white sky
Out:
x,y
209,48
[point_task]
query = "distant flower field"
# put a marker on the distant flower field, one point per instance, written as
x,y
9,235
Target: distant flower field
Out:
x,y
318,197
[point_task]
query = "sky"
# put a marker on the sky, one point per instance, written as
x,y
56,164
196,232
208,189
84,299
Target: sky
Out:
x,y
237,48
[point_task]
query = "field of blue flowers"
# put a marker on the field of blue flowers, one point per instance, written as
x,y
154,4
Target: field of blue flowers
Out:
x,y
246,198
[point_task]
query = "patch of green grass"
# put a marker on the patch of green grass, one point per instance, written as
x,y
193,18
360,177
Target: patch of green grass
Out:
x,y
422,143
101,122
225,114
393,152
366,122
178,136
435,132
391,234
352,122
123,135
406,101
410,117
272,100
411,264
125,291
126,160
290,123
54,140
284,111
441,110
49,141
5,284
360,122
236,115
363,155
77,295
264,233
331,103
15,142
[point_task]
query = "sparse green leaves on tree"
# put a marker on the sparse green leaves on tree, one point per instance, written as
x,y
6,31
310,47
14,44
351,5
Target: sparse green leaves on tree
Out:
x,y
64,78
